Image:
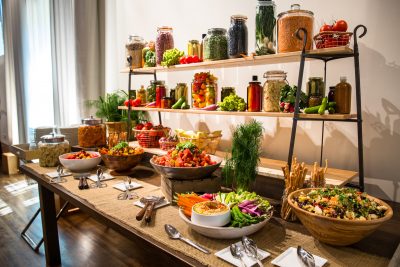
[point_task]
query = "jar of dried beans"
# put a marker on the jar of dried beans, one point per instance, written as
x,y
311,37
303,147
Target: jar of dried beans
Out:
x,y
164,41
237,37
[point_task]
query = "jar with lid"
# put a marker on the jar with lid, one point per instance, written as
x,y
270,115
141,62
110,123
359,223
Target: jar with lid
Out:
x,y
166,102
237,37
226,91
215,45
331,94
141,93
265,28
172,96
288,23
315,91
343,96
181,90
204,90
161,92
254,92
134,47
164,41
194,48
151,91
276,80
50,148
92,133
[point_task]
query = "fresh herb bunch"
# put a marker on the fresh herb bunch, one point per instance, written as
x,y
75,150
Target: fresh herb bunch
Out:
x,y
171,57
232,103
288,95
241,168
120,145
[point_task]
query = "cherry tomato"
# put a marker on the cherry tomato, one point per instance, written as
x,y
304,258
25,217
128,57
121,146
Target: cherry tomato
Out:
x,y
182,60
189,59
340,26
195,59
137,102
132,102
126,103
325,28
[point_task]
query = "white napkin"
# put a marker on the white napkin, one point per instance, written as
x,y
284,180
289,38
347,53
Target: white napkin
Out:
x,y
289,258
226,255
106,176
121,186
158,205
55,174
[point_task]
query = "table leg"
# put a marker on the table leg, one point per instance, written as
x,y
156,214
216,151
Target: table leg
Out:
x,y
49,224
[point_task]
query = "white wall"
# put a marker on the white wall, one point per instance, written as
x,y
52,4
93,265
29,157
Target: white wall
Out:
x,y
380,78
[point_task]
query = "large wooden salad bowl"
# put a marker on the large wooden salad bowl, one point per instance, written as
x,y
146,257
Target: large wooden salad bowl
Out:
x,y
337,232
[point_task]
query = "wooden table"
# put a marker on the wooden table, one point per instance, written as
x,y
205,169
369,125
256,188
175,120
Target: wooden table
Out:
x,y
187,256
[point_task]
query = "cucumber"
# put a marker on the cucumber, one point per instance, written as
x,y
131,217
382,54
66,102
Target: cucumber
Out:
x,y
185,105
179,103
315,109
323,106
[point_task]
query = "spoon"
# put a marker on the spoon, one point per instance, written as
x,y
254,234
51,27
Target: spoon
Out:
x,y
250,247
237,253
174,234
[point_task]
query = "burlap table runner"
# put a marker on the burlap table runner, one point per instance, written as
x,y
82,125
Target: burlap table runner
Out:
x,y
275,237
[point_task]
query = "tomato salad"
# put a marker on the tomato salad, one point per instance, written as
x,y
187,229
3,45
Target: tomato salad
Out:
x,y
82,155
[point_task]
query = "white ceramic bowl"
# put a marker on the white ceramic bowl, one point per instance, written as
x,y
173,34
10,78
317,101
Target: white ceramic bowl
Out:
x,y
80,165
213,218
224,232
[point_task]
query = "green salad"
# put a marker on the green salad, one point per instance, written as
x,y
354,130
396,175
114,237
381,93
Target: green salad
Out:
x,y
340,203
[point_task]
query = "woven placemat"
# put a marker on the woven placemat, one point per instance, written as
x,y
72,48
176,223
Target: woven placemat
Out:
x,y
275,237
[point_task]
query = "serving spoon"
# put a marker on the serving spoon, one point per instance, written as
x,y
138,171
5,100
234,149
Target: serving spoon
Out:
x,y
174,234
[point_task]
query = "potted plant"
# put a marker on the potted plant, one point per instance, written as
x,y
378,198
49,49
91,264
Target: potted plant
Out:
x,y
240,169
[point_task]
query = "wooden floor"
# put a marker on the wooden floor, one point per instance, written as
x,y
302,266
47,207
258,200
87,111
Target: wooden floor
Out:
x,y
83,241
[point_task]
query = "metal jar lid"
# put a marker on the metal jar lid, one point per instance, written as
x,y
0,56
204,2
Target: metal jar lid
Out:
x,y
274,73
92,121
53,138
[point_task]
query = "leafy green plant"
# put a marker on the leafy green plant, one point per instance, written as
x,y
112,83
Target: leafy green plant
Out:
x,y
241,168
107,106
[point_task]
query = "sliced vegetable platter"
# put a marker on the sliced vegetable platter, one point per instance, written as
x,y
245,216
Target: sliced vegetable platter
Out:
x,y
249,213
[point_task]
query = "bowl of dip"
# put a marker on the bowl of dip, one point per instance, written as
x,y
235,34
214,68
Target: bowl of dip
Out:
x,y
211,213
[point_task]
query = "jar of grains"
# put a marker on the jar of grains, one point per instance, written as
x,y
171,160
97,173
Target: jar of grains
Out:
x,y
288,23
92,133
276,80
50,148
134,48
164,41
237,37
215,45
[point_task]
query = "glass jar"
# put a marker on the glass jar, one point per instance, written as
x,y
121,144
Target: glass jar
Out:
x,y
204,90
288,23
166,102
237,37
343,96
254,91
134,47
202,46
226,91
276,80
50,148
265,28
164,41
181,90
151,91
92,133
331,94
215,45
141,93
161,92
315,91
194,48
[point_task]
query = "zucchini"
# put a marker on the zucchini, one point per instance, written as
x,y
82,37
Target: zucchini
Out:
x,y
178,104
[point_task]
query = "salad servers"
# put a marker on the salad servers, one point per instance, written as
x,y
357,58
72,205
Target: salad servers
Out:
x,y
174,234
306,257
127,194
58,179
251,249
236,252
98,183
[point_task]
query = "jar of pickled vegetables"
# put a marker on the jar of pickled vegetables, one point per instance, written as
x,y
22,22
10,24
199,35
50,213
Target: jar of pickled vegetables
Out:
x,y
141,93
194,48
204,90
166,102
276,80
50,148
92,133
161,92
226,91
181,89
315,91
151,91
215,45
164,41
134,48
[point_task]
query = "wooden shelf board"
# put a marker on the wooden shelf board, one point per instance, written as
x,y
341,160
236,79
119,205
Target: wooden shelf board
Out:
x,y
246,113
272,168
249,61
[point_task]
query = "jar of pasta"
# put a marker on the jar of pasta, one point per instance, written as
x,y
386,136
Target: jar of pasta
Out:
x,y
92,133
50,148
276,80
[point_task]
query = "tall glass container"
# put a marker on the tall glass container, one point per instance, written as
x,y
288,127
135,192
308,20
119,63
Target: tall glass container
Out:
x,y
92,133
215,45
164,41
237,37
50,148
265,28
276,80
134,48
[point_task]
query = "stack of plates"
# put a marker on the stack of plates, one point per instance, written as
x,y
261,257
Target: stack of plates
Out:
x,y
71,134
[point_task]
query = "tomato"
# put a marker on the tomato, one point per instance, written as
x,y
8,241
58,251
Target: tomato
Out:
x,y
182,60
137,102
189,59
325,28
195,59
340,26
126,103
153,132
148,125
139,126
132,102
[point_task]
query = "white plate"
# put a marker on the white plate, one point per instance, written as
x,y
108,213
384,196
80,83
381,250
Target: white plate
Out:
x,y
121,186
106,177
55,174
226,255
158,205
289,258
224,232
